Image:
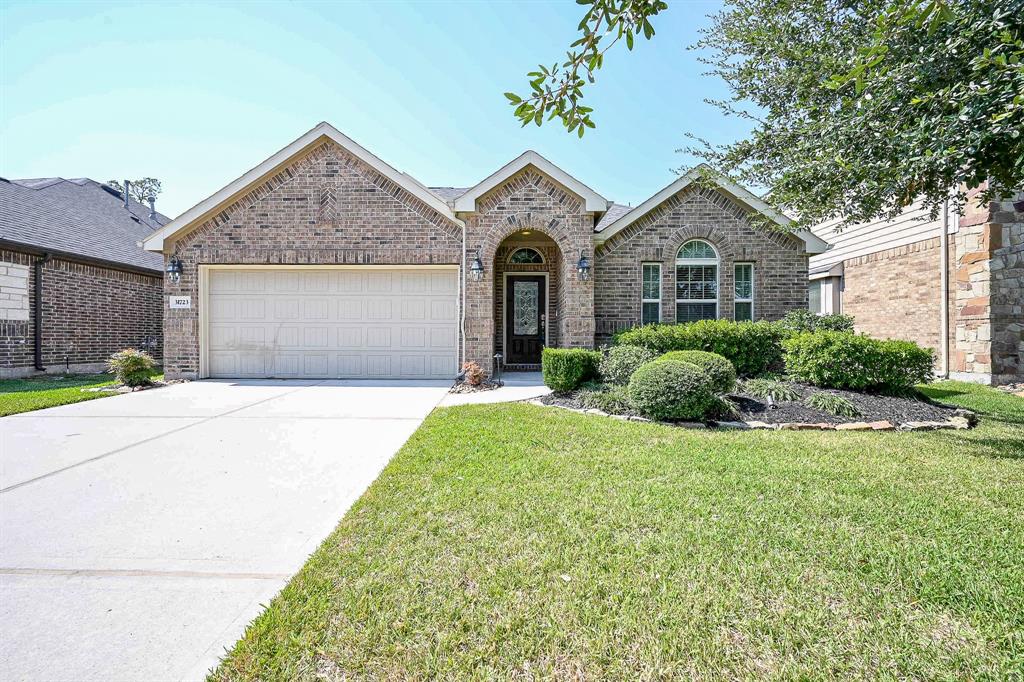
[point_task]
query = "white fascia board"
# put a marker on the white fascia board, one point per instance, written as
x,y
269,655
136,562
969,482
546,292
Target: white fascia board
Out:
x,y
155,242
592,201
834,271
813,244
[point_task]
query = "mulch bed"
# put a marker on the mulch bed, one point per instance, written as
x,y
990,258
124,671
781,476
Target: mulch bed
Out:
x,y
872,408
879,412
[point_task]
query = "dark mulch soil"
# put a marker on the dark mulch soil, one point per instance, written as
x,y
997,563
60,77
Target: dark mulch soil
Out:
x,y
872,407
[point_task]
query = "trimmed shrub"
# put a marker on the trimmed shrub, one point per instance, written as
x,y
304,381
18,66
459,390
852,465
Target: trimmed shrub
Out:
x,y
719,370
671,390
132,367
566,368
610,399
858,362
799,321
753,348
619,363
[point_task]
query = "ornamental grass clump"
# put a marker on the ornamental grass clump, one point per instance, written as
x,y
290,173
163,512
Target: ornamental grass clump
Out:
x,y
672,390
835,405
132,367
779,391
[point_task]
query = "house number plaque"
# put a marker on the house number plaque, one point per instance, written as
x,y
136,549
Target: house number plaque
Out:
x,y
181,301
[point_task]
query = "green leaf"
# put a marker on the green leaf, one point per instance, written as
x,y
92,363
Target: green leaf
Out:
x,y
513,98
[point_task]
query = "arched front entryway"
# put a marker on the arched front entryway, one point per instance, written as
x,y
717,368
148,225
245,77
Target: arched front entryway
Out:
x,y
527,298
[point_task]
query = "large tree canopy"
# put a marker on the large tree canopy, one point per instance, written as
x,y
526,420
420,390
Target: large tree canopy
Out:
x,y
141,190
858,107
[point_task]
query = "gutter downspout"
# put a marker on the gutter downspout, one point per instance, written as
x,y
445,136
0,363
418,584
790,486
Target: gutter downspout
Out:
x,y
37,272
944,283
462,288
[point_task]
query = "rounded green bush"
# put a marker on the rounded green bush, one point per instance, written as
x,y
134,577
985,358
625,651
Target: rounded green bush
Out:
x,y
671,390
132,367
719,370
618,365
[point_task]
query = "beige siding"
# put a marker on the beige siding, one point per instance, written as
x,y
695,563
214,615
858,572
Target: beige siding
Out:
x,y
913,225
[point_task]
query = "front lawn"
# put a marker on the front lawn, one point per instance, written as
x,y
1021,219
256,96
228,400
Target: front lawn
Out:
x,y
515,541
35,393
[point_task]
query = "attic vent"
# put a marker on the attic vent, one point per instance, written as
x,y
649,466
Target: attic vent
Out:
x,y
136,220
110,190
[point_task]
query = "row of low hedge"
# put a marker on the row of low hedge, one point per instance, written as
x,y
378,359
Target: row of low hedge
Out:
x,y
754,348
857,362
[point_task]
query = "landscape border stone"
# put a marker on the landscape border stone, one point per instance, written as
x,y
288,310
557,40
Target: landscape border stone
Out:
x,y
962,419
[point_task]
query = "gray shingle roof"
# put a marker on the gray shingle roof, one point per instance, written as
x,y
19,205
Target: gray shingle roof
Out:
x,y
614,212
79,216
449,194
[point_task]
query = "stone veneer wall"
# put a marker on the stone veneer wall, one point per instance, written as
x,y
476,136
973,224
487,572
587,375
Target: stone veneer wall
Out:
x,y
780,263
326,207
1006,267
89,312
529,200
897,293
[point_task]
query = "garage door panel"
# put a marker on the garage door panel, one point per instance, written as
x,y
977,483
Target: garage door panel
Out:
x,y
332,323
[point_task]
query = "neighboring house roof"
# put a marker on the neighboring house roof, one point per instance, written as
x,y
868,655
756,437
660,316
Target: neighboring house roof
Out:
x,y
77,217
592,201
607,228
321,131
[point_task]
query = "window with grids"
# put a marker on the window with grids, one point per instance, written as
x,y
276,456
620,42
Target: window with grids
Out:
x,y
696,281
650,304
743,306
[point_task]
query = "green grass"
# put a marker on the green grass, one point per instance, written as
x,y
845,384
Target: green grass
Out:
x,y
514,541
36,393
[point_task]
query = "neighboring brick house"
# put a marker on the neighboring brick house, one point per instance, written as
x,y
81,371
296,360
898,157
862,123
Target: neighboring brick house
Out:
x,y
77,243
324,261
954,283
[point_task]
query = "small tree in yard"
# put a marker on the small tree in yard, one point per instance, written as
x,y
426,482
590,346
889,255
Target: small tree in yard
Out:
x,y
857,107
132,367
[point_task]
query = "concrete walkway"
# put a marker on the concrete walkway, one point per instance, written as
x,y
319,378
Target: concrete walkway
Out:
x,y
139,534
518,386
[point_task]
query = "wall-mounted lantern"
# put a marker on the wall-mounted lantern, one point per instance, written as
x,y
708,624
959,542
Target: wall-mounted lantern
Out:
x,y
476,268
583,267
174,270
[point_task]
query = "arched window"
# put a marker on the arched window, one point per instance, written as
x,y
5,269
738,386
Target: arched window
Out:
x,y
696,281
526,256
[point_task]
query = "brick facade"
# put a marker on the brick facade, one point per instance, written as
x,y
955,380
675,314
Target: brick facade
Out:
x,y
530,200
780,263
325,207
89,312
897,293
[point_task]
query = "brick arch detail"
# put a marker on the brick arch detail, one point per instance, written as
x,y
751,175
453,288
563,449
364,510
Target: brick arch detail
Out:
x,y
549,226
707,233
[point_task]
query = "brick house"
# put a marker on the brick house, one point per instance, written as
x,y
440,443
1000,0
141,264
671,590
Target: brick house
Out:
x,y
75,284
324,261
954,283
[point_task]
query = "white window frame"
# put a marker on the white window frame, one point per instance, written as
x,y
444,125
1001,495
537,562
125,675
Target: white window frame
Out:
x,y
716,261
644,300
736,296
516,250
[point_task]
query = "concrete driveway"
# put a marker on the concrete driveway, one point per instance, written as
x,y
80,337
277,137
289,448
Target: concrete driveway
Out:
x,y
139,534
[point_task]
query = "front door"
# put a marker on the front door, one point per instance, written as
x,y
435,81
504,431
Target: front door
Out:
x,y
525,318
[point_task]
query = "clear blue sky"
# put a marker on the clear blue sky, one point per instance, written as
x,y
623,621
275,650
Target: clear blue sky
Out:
x,y
197,94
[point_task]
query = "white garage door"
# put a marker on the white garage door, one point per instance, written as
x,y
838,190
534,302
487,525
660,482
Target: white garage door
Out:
x,y
364,322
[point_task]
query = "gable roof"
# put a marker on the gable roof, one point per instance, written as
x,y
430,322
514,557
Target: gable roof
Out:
x,y
605,230
592,201
78,217
321,131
